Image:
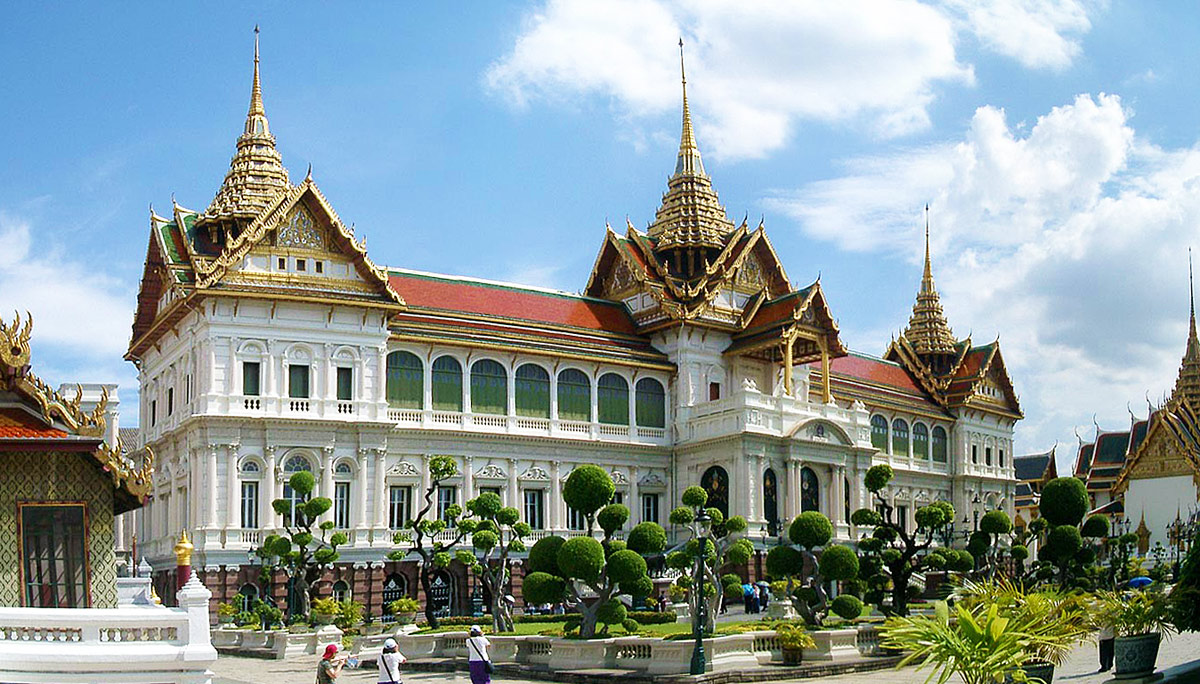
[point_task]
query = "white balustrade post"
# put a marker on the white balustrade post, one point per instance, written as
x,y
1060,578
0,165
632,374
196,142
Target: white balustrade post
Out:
x,y
193,598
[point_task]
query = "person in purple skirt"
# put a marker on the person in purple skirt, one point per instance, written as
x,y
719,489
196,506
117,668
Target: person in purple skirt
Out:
x,y
478,659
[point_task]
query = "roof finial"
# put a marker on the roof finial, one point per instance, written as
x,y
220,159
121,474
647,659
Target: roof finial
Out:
x,y
689,154
928,265
1191,291
308,176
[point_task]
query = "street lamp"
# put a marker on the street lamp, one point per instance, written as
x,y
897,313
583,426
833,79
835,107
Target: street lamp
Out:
x,y
699,618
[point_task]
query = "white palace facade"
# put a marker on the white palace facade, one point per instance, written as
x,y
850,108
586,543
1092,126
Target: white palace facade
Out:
x,y
267,341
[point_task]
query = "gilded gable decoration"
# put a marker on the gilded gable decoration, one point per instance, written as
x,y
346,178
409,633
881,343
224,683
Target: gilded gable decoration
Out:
x,y
622,280
299,230
751,273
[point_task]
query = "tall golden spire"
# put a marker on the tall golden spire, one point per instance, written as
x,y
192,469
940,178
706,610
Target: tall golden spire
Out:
x,y
1187,385
691,215
928,331
256,174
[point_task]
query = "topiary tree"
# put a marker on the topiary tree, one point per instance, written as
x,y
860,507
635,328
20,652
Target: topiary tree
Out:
x,y
588,574
1067,552
1185,597
305,553
722,542
496,532
984,544
423,530
809,531
899,552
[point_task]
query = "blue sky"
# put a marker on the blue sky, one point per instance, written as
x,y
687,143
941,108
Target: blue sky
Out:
x,y
1056,142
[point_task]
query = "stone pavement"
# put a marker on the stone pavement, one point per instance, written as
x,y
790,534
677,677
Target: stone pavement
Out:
x,y
1179,658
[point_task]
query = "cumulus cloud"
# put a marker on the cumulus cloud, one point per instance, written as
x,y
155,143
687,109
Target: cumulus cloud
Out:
x,y
81,315
1070,240
758,68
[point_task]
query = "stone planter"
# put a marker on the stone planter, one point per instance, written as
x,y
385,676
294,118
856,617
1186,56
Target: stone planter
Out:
x,y
833,645
1043,671
223,637
322,619
256,638
781,610
793,656
682,611
1135,656
406,618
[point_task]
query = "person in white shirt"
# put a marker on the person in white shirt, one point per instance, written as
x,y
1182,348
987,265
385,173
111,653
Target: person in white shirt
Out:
x,y
389,663
478,660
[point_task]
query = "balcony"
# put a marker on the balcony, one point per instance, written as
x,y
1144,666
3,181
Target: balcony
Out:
x,y
748,410
528,426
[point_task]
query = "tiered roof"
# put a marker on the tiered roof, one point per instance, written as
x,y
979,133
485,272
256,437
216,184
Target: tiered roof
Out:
x,y
1033,471
35,417
928,331
1108,457
881,383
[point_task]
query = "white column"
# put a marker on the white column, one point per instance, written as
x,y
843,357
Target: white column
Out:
x,y
759,512
232,495
362,485
556,522
210,515
635,495
514,495
792,503
327,475
381,501
554,396
468,478
268,518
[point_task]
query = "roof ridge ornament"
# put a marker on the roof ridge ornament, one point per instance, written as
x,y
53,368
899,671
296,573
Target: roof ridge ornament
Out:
x,y
928,330
1187,384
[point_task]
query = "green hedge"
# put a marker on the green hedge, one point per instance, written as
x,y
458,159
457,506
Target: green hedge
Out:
x,y
646,617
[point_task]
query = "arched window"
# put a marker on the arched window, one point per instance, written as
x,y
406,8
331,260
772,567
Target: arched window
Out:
x,y
899,437
651,403
920,441
612,398
810,490
771,502
250,467
533,391
246,597
879,432
939,445
394,588
489,387
341,591
574,396
405,380
249,494
715,481
294,464
447,384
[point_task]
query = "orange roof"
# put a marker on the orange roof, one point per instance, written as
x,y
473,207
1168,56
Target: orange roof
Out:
x,y
15,424
510,301
875,370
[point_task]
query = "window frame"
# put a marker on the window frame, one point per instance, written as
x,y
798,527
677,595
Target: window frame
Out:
x,y
650,507
84,560
612,400
650,405
293,373
531,394
400,377
570,396
257,375
534,507
393,506
342,491
249,505
449,379
346,374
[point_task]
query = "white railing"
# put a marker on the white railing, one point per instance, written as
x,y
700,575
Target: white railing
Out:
x,y
299,405
525,425
134,642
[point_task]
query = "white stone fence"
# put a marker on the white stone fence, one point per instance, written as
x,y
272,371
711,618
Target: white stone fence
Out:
x,y
137,642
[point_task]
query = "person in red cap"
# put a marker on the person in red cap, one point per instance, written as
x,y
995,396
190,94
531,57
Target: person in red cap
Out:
x,y
330,666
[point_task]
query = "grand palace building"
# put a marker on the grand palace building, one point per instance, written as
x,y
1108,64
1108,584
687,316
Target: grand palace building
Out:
x,y
269,342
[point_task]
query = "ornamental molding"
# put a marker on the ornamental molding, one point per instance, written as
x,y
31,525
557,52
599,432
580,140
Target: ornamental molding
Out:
x,y
403,469
619,478
535,474
491,471
652,480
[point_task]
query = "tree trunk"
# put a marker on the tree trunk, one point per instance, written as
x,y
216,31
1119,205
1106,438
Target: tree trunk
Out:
x,y
426,580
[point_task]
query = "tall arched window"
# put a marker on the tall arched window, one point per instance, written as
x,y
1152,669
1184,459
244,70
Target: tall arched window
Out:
x,y
295,464
394,589
651,405
532,388
447,384
612,398
715,481
920,441
810,490
341,591
489,387
899,437
405,380
771,501
574,396
939,445
246,596
879,432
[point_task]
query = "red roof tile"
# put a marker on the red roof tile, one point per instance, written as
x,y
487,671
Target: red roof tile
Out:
x,y
875,370
16,424
508,301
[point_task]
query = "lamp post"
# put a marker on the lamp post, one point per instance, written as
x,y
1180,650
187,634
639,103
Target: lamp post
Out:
x,y
699,617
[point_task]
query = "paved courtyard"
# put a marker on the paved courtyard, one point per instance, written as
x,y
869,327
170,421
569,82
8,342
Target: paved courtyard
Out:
x,y
1179,657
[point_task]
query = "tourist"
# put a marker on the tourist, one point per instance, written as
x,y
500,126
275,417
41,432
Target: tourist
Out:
x,y
746,591
389,663
764,597
478,661
754,600
1105,639
330,666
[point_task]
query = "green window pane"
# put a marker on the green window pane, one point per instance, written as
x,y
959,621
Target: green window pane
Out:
x,y
879,432
250,379
298,382
574,395
532,391
651,403
612,398
447,384
345,384
899,437
939,445
406,380
489,387
920,441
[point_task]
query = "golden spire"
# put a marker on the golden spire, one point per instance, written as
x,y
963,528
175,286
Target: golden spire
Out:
x,y
256,174
928,331
1187,385
691,215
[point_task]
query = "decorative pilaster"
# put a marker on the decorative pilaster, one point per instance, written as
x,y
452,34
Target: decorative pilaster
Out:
x,y
269,518
232,495
469,477
210,515
381,502
513,494
363,483
327,476
556,521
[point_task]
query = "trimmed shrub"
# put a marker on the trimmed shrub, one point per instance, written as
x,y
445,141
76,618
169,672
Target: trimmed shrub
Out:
x,y
878,477
995,523
1063,542
838,563
810,529
588,488
847,606
866,517
646,538
543,556
645,617
1019,552
1064,501
542,587
979,543
626,566
581,558
613,612
612,517
783,561
1095,527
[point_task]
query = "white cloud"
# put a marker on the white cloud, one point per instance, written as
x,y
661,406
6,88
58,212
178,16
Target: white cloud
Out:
x,y
81,316
1036,33
756,69
1069,240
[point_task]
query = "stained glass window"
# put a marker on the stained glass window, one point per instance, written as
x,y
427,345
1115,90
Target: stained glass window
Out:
x,y
715,482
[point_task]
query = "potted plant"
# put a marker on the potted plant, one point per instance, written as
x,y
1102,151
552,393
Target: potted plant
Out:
x,y
405,609
325,611
225,613
792,641
1138,620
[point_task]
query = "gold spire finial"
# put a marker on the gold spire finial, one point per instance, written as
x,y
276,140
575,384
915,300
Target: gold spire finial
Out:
x,y
928,265
927,329
183,549
257,110
1187,385
689,153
